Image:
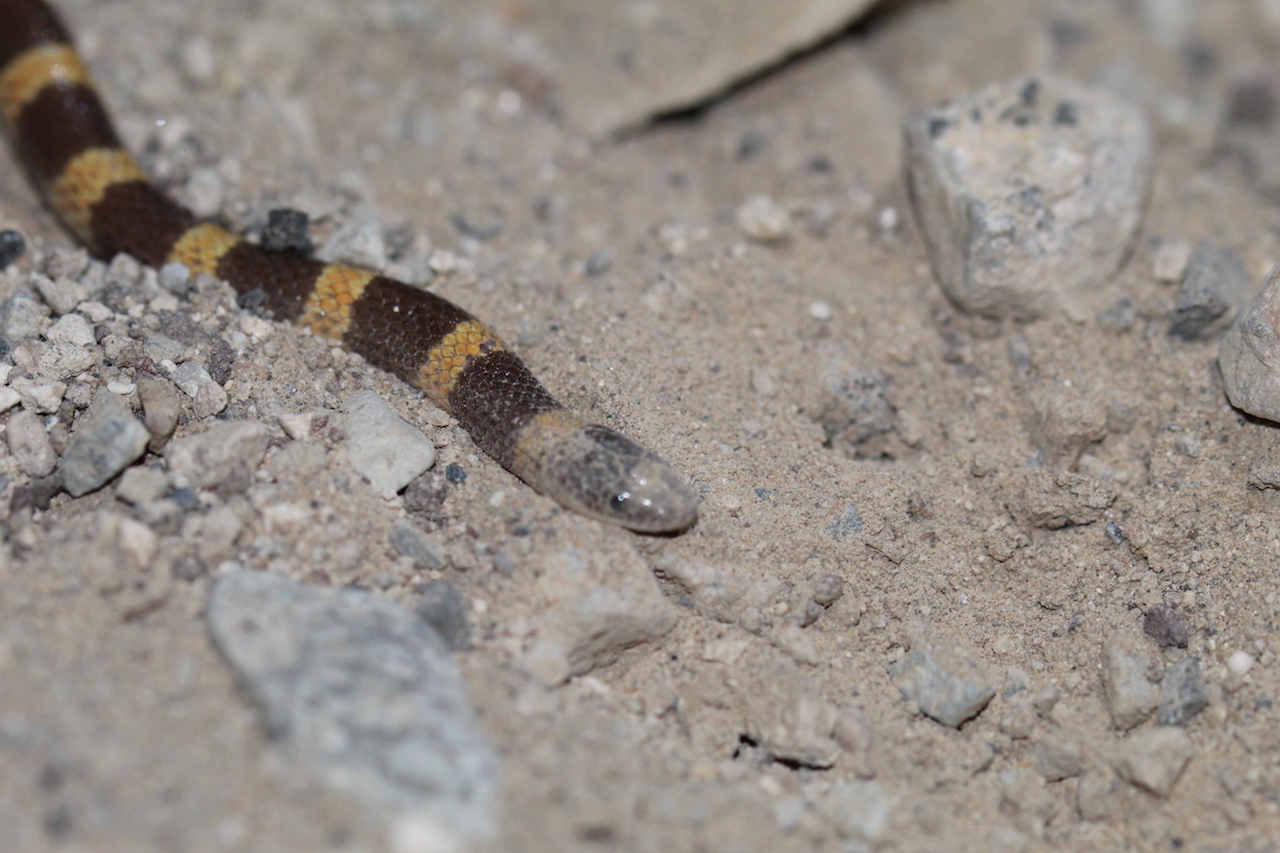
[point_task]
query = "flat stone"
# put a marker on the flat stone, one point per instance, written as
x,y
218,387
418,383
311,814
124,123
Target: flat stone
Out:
x,y
362,690
417,546
944,695
444,609
617,65
594,605
23,315
29,443
1130,695
858,810
1249,357
788,717
1054,499
1056,760
1214,288
1182,693
1029,193
1153,760
223,458
383,447
107,440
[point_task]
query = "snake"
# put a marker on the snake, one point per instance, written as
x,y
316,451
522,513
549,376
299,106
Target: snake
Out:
x,y
65,139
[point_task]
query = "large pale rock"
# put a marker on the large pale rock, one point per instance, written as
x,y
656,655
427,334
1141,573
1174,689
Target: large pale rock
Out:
x,y
1250,355
361,689
1029,192
594,606
618,64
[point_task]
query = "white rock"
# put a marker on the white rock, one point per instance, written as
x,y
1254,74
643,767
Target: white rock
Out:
x,y
1029,192
383,447
71,329
1240,663
762,218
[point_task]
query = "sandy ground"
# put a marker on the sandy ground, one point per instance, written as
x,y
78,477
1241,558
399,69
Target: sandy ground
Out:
x,y
122,729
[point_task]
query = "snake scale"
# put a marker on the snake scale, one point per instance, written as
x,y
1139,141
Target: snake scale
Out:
x,y
63,136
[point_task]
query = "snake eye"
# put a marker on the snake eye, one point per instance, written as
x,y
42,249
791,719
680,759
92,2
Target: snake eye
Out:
x,y
618,503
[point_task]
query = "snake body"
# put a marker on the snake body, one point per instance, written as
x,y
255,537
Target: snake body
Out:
x,y
64,137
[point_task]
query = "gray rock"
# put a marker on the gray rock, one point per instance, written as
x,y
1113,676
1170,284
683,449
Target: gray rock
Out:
x,y
1130,695
1056,760
714,590
71,329
442,606
358,242
595,605
416,545
384,448
23,315
1182,693
1153,760
223,458
787,716
161,408
1214,287
43,398
29,444
941,694
207,396
60,293
1029,192
1249,357
856,408
1053,499
858,810
362,690
108,440
616,68
59,362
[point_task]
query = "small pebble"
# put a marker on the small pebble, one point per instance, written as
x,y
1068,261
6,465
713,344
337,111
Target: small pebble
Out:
x,y
1182,693
286,230
1169,263
763,219
820,310
1130,695
107,442
1167,627
223,458
827,589
1154,759
417,546
443,608
1240,662
175,278
940,694
12,245
29,444
361,690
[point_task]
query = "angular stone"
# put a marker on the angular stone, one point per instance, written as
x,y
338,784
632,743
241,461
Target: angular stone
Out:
x,y
1053,499
943,695
383,447
223,458
1154,759
1249,357
107,441
363,691
1130,696
1029,192
29,444
1214,287
1182,693
858,810
594,606
618,64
